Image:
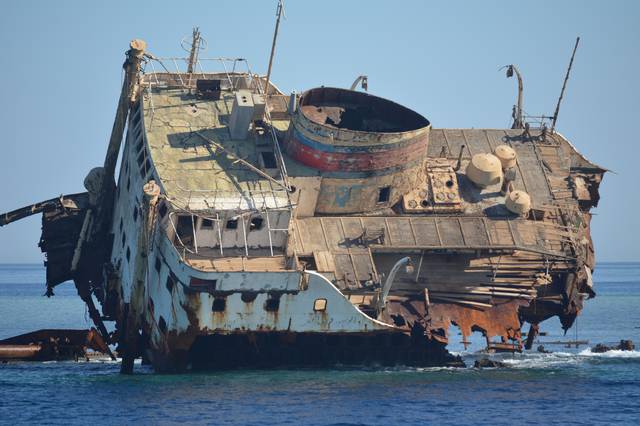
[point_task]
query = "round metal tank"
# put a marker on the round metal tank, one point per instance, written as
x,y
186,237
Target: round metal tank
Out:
x,y
369,151
484,170
518,202
506,155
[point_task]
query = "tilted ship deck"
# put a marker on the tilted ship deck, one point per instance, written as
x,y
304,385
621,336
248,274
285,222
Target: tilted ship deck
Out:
x,y
249,227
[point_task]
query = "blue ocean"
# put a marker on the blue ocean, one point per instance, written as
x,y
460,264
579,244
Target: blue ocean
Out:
x,y
567,386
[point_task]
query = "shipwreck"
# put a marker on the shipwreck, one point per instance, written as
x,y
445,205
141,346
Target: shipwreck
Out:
x,y
251,227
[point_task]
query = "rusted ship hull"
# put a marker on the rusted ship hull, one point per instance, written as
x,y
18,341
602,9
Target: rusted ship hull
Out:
x,y
247,227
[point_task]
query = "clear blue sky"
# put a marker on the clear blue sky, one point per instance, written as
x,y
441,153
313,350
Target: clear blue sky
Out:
x,y
61,73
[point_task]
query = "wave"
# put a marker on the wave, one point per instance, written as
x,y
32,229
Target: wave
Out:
x,y
559,359
610,354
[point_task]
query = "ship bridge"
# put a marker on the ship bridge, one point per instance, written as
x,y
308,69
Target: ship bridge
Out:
x,y
203,138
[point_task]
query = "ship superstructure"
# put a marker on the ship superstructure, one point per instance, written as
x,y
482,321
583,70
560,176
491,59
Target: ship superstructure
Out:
x,y
250,227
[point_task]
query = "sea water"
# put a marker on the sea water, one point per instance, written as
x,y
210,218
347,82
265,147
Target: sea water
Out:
x,y
568,386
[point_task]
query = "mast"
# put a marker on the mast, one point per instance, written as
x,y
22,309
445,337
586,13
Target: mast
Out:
x,y
273,44
564,85
195,47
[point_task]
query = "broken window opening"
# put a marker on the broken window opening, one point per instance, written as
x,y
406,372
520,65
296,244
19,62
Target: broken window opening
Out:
x,y
163,210
203,284
256,223
272,304
232,224
269,160
219,304
184,231
171,281
384,195
308,263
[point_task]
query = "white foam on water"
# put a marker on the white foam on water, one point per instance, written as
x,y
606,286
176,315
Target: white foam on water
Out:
x,y
555,359
552,360
616,353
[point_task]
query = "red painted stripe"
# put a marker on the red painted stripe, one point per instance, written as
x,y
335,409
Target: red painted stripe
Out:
x,y
356,161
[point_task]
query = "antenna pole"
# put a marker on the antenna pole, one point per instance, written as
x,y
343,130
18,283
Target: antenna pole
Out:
x,y
273,45
195,47
564,85
518,120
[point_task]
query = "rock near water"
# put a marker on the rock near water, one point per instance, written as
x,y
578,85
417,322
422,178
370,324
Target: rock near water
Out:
x,y
488,363
624,345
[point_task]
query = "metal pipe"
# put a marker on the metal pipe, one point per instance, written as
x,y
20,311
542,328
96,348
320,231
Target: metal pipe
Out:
x,y
459,163
389,281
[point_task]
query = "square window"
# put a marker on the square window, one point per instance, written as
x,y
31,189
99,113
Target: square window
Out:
x,y
320,305
206,224
256,223
384,194
232,224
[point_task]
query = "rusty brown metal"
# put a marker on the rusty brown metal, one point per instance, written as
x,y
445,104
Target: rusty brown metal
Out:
x,y
52,344
501,320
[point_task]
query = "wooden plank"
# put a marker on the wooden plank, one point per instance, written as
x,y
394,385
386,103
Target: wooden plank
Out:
x,y
450,232
324,261
455,140
364,269
474,231
344,269
532,172
436,142
312,236
476,141
333,232
499,232
400,231
352,229
375,224
425,231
